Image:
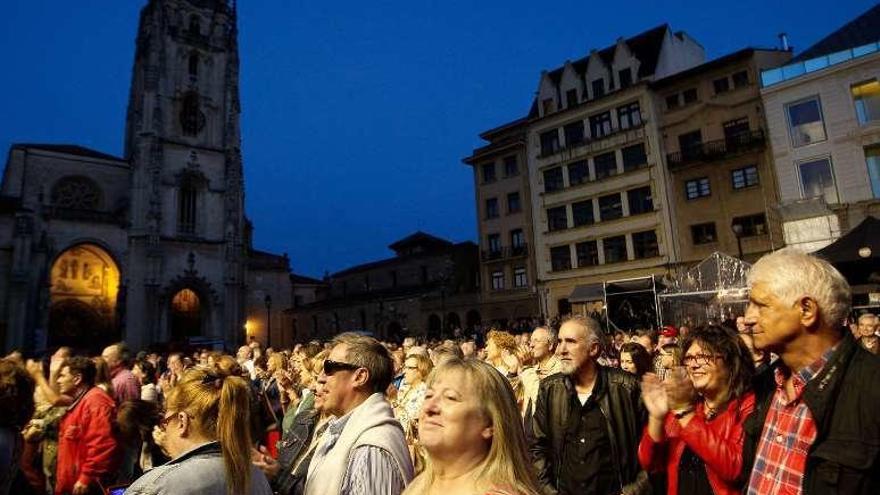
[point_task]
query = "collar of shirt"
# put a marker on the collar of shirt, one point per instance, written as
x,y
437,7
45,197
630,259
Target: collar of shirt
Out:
x,y
802,377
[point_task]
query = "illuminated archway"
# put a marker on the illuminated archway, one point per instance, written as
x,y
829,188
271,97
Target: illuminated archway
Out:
x,y
186,315
83,297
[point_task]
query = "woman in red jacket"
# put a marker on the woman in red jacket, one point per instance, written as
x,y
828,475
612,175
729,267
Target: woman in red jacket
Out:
x,y
694,430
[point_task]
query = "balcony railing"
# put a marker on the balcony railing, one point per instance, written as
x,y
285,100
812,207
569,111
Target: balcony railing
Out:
x,y
504,253
586,141
716,150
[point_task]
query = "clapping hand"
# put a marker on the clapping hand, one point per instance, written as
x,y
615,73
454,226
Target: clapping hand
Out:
x,y
265,463
654,396
679,389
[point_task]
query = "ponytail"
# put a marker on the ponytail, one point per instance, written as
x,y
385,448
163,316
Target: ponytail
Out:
x,y
233,433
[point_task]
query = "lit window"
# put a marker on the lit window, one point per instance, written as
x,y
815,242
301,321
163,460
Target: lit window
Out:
x,y
498,280
805,122
520,279
867,99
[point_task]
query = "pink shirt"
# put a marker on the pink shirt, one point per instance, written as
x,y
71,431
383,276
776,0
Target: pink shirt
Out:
x,y
125,385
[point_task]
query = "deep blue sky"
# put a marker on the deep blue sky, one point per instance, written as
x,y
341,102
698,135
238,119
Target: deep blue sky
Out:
x,y
356,114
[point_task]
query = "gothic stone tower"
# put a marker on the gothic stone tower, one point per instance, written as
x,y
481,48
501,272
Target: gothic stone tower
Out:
x,y
186,246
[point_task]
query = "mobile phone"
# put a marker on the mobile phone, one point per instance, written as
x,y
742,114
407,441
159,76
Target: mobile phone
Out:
x,y
117,489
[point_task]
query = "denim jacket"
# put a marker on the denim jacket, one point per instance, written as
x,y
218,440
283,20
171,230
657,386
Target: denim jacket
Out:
x,y
198,471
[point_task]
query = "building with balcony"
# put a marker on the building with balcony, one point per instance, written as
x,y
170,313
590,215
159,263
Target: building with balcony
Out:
x,y
722,188
504,219
823,120
595,163
428,289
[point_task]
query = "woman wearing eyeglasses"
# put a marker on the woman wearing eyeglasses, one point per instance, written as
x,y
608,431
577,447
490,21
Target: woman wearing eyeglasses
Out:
x,y
416,368
695,427
471,431
207,436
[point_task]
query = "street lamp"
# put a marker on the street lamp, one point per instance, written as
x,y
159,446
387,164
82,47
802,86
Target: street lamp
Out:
x,y
268,302
737,229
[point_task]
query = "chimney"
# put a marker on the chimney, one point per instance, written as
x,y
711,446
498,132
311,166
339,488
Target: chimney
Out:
x,y
783,39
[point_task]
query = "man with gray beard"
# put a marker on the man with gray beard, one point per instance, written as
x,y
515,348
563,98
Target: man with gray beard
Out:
x,y
588,421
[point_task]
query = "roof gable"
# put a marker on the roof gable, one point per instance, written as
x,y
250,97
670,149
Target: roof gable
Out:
x,y
860,31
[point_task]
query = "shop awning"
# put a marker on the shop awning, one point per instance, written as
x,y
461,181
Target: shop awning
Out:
x,y
586,293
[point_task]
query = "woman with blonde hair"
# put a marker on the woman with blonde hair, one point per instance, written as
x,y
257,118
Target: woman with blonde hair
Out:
x,y
471,432
206,433
416,368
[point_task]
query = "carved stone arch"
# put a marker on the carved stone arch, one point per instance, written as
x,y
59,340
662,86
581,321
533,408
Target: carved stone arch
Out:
x,y
76,192
180,323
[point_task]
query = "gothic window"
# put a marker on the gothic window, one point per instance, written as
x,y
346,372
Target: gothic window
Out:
x,y
194,65
78,193
195,26
187,209
192,120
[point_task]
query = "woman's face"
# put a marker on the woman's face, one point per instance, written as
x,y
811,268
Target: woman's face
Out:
x,y
626,362
706,370
411,373
452,419
492,351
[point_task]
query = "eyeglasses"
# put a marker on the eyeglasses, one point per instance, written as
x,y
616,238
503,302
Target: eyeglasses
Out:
x,y
699,359
331,367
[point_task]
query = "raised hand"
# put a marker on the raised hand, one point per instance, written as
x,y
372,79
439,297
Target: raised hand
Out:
x,y
654,396
679,389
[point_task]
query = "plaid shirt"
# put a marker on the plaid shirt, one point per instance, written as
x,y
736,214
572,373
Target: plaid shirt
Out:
x,y
789,432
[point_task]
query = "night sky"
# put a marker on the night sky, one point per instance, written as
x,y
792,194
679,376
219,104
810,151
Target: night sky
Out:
x,y
356,114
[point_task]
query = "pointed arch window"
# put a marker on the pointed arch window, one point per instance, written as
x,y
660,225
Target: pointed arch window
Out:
x,y
193,67
192,120
187,208
195,25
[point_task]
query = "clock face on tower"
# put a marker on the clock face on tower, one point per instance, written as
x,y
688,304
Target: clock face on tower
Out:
x,y
192,120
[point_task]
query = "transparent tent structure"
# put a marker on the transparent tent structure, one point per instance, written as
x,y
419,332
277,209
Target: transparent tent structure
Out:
x,y
713,290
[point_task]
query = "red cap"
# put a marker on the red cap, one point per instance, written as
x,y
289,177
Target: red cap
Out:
x,y
669,331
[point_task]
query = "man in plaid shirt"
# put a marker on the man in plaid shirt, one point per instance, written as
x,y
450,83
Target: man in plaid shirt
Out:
x,y
816,426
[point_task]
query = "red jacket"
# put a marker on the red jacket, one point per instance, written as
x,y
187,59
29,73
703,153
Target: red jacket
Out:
x,y
87,447
719,443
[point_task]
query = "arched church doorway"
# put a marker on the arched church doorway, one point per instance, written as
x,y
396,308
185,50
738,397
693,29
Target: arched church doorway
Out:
x,y
82,299
186,315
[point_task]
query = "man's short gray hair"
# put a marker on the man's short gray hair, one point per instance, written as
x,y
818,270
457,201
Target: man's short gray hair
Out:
x,y
790,274
367,352
551,334
591,327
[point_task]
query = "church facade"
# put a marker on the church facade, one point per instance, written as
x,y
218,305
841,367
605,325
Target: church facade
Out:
x,y
152,246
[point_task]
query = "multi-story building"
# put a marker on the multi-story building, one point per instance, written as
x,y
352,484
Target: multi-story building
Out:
x,y
823,117
429,289
722,190
504,218
596,168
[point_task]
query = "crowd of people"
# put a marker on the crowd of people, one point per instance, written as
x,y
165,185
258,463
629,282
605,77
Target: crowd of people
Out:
x,y
780,400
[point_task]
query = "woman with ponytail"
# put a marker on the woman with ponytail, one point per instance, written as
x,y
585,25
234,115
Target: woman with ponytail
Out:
x,y
205,431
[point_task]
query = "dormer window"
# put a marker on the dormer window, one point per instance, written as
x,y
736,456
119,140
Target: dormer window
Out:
x,y
598,86
625,77
571,98
547,106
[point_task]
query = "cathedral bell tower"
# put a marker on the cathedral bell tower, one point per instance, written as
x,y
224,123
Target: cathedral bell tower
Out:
x,y
186,250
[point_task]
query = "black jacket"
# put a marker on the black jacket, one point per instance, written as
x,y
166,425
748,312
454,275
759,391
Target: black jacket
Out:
x,y
620,404
844,400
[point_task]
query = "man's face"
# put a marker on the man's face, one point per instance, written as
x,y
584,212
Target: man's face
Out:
x,y
111,357
339,387
540,344
867,324
67,382
772,322
574,349
244,353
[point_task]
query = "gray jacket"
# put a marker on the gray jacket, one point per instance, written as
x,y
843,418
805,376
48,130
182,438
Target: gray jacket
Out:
x,y
199,471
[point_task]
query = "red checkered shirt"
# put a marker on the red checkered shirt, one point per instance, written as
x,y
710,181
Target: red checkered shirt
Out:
x,y
789,431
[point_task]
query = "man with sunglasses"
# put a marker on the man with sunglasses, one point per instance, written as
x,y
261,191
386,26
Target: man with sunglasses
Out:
x,y
363,449
815,428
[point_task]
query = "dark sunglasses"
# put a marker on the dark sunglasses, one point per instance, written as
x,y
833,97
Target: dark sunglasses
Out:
x,y
331,367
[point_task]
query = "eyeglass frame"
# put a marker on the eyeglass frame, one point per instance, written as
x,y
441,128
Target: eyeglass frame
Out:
x,y
163,423
699,360
331,367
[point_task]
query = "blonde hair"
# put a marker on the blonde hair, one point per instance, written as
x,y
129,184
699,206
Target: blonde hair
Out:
x,y
508,463
423,364
790,274
219,406
276,362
